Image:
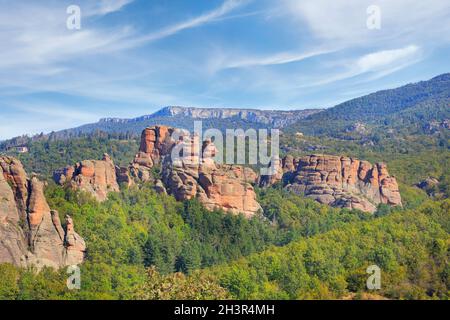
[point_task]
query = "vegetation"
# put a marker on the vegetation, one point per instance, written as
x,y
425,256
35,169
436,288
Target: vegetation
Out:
x,y
411,248
45,156
407,109
142,245
326,254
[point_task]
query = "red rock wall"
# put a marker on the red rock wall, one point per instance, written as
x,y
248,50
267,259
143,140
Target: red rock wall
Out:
x,y
30,233
338,181
97,177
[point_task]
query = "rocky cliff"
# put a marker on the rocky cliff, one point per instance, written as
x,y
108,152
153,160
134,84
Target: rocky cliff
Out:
x,y
226,187
337,181
192,176
273,118
31,233
156,143
97,177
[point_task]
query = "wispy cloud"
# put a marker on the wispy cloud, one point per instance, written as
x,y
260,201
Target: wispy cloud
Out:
x,y
61,112
383,58
226,7
137,55
377,64
104,7
270,60
344,21
38,115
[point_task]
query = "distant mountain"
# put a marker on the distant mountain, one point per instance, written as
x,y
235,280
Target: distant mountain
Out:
x,y
421,108
417,108
175,116
183,117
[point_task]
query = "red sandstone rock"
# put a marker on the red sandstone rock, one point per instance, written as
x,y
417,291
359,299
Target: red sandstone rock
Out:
x,y
97,177
338,181
191,176
30,233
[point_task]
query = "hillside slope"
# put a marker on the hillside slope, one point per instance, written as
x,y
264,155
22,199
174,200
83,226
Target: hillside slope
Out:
x,y
418,108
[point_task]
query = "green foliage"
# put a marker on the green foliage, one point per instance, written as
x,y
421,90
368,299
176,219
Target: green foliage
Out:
x,y
177,286
142,245
139,228
9,276
44,157
411,248
408,109
297,217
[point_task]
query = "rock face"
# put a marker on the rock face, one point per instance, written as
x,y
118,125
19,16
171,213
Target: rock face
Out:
x,y
98,177
186,115
190,176
275,118
30,233
337,181
430,185
226,187
156,143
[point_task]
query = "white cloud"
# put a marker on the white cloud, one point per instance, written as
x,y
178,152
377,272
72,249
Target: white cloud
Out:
x,y
226,7
376,65
39,54
245,61
60,112
344,21
380,59
33,117
107,6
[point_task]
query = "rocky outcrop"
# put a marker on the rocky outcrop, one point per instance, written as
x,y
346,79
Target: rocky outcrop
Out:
x,y
75,245
190,175
156,143
97,177
337,181
216,186
430,185
30,233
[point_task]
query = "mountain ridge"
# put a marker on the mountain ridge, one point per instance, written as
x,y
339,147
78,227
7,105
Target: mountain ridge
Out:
x,y
421,106
271,117
412,106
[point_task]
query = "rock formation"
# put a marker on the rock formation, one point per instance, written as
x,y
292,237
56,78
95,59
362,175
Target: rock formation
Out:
x,y
97,177
337,181
226,187
430,185
30,233
156,143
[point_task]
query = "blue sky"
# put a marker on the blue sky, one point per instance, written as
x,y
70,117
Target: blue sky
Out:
x,y
132,57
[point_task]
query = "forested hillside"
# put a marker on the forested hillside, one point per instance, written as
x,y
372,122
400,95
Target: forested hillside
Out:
x,y
410,247
137,239
44,157
412,108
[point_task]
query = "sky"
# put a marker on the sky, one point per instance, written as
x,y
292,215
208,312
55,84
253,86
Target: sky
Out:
x,y
132,57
